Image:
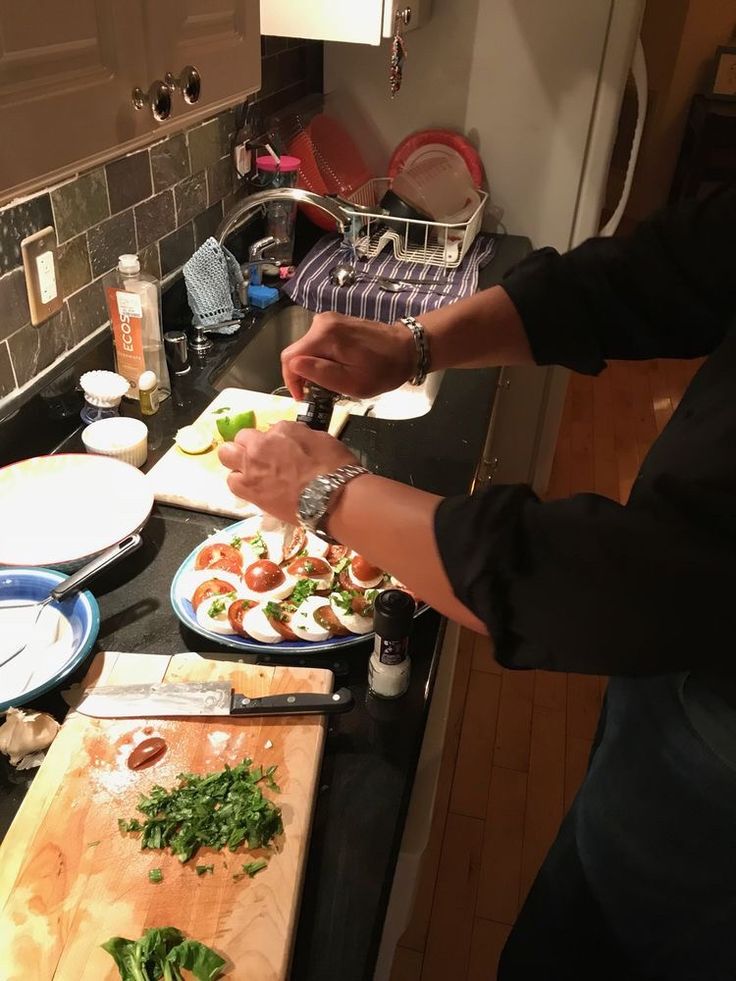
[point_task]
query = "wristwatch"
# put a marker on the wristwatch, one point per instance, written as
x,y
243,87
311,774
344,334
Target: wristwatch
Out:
x,y
320,494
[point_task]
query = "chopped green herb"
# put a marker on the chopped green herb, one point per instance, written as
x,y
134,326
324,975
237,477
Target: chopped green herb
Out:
x,y
216,608
275,611
155,875
125,826
217,810
204,869
225,408
344,599
304,551
236,541
370,596
162,952
253,868
303,589
341,564
258,545
308,566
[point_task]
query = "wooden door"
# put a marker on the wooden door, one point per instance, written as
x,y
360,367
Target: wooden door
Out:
x,y
65,86
220,38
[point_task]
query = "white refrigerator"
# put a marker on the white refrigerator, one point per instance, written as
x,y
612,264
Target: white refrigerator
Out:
x,y
537,86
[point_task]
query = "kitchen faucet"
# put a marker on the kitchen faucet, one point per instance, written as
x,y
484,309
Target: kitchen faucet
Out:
x,y
243,209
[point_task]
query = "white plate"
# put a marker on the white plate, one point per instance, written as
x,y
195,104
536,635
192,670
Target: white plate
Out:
x,y
59,510
27,676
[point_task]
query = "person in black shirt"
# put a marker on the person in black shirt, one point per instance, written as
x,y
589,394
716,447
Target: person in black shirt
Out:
x,y
641,881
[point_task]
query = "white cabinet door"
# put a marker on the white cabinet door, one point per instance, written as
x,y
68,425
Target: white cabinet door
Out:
x,y
65,89
220,38
324,20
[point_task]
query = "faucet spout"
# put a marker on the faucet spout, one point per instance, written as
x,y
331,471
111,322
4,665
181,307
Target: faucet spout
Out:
x,y
248,205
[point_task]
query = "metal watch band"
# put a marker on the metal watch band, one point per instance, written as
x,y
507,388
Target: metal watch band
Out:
x,y
330,483
420,342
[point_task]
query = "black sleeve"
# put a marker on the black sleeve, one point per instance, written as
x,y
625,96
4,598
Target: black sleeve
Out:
x,y
587,585
666,291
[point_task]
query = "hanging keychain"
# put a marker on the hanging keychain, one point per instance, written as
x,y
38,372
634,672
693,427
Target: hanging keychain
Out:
x,y
398,50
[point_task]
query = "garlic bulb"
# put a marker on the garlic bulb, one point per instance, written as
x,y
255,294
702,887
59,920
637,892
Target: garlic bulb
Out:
x,y
26,732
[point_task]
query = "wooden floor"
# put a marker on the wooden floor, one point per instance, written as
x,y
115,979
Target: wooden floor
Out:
x,y
518,741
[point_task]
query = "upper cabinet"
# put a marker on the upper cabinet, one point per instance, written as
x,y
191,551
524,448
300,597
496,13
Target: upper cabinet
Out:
x,y
366,22
68,74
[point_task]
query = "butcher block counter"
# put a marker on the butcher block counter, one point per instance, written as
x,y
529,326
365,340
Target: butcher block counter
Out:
x,y
370,754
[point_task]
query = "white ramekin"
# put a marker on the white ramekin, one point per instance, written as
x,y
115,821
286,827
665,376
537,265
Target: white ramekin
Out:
x,y
120,437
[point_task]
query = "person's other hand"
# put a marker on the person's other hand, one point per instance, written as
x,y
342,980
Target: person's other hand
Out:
x,y
354,357
271,469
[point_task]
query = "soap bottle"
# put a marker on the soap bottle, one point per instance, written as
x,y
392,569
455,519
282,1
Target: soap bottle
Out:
x,y
134,304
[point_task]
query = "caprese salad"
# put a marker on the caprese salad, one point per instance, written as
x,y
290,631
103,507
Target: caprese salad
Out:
x,y
267,581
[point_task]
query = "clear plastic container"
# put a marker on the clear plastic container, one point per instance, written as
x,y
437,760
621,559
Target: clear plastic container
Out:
x,y
134,303
280,215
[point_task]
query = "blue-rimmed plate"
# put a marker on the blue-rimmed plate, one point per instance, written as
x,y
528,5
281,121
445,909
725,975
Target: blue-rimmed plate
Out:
x,y
184,610
34,672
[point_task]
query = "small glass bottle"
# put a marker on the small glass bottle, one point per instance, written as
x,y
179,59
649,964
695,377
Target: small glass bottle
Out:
x,y
318,408
389,668
148,393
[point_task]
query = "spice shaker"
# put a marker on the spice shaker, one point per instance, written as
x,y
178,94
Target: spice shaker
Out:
x,y
318,407
389,667
148,393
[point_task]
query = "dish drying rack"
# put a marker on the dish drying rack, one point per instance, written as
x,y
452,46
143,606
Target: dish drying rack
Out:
x,y
433,243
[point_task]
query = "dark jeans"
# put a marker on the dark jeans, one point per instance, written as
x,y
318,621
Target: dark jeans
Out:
x,y
640,884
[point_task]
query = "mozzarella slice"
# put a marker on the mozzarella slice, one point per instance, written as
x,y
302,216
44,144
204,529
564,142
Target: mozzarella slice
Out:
x,y
219,623
274,541
256,625
189,581
353,622
286,588
316,547
303,623
364,583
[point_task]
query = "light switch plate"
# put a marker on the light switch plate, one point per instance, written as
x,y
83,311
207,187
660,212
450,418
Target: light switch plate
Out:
x,y
42,274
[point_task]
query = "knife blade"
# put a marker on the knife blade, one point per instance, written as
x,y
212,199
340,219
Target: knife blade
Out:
x,y
207,699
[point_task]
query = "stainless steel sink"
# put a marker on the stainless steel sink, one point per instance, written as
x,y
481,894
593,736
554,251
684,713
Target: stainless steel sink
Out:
x,y
258,368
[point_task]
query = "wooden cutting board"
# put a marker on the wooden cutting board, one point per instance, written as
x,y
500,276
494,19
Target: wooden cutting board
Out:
x,y
69,881
199,481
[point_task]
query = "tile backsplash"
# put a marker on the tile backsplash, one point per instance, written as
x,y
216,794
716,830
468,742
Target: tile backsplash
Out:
x,y
161,202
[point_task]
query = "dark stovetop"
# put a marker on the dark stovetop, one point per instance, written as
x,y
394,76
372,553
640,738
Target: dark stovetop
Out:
x,y
371,753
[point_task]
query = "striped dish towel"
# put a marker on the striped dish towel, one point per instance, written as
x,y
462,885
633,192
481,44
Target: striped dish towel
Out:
x,y
310,287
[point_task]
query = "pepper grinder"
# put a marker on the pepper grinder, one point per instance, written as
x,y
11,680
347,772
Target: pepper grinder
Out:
x,y
318,407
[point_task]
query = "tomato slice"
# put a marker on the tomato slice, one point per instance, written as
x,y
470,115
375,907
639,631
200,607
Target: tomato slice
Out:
x,y
235,613
347,583
282,626
363,569
263,575
309,567
215,552
228,565
326,618
212,587
294,541
335,553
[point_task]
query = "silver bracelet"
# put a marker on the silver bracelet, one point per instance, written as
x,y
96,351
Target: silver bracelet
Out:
x,y
420,342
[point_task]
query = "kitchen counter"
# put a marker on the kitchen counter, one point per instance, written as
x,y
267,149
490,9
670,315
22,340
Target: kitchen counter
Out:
x,y
370,753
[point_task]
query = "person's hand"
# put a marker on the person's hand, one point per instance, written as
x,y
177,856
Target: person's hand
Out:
x,y
354,357
271,469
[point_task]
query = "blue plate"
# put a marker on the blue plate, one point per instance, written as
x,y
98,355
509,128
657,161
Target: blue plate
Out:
x,y
185,612
83,615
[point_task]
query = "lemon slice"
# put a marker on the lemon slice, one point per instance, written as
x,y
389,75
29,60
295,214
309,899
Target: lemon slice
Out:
x,y
193,439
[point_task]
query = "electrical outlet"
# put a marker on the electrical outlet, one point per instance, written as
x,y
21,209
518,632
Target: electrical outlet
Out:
x,y
42,274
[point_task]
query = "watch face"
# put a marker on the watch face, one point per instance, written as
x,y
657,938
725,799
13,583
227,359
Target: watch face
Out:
x,y
313,500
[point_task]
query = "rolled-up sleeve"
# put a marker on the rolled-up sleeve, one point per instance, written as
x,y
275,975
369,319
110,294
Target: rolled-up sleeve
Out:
x,y
588,585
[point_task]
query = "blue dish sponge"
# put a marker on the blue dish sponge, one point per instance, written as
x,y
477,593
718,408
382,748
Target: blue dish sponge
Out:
x,y
262,296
